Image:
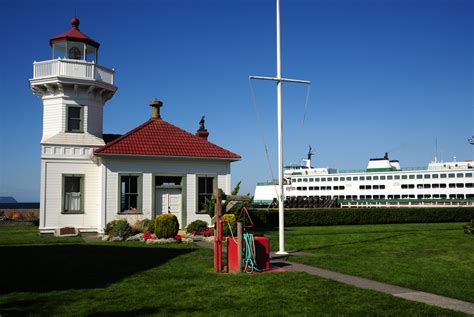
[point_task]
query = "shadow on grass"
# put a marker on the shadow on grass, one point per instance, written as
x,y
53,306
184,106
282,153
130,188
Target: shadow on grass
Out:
x,y
61,267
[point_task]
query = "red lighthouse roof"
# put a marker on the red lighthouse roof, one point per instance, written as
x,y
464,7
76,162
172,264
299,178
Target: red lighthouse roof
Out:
x,y
74,35
157,137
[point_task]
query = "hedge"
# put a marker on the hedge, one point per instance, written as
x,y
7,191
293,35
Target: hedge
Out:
x,y
267,218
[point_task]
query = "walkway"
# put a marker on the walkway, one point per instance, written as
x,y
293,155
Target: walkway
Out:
x,y
397,291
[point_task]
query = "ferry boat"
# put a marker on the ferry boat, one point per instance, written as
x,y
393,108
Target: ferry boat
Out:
x,y
383,184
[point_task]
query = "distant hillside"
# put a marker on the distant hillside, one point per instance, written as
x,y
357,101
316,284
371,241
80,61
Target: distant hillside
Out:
x,y
7,200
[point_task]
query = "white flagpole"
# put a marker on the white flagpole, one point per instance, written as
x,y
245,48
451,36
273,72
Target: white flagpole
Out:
x,y
281,209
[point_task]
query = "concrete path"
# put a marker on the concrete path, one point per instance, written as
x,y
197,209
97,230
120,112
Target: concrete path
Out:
x,y
397,291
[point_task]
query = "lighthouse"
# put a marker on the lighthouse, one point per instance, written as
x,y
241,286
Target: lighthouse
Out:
x,y
73,88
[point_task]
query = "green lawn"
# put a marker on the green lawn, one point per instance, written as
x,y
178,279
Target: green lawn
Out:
x,y
437,258
43,277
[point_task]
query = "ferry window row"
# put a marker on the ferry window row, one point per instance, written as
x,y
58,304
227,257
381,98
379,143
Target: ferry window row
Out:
x,y
380,177
390,197
372,187
321,188
450,185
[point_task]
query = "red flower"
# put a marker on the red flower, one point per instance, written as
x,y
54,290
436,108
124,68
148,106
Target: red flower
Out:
x,y
178,238
146,236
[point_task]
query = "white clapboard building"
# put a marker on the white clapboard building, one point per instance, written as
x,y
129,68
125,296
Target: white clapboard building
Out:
x,y
89,178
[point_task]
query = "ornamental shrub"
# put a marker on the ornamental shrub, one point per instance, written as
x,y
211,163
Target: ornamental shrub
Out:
x,y
166,226
119,228
148,225
469,228
197,225
229,219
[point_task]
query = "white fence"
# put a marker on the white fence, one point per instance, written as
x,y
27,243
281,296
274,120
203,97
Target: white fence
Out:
x,y
73,68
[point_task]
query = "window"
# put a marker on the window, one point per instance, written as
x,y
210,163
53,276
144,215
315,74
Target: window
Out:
x,y
130,193
348,178
419,176
329,179
73,189
305,180
75,119
382,178
74,53
469,185
316,179
443,175
452,185
397,176
205,190
468,174
369,178
376,186
342,179
459,185
362,178
361,187
435,176
427,176
404,186
390,177
435,186
376,178
459,175
382,186
412,176
451,175
311,179
323,179
405,176
426,186
336,179
442,185
355,178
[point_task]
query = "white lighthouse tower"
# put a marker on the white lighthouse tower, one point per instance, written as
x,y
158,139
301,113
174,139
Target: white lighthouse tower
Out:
x,y
73,88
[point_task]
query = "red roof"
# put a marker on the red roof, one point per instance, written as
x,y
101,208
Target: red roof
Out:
x,y
73,35
160,138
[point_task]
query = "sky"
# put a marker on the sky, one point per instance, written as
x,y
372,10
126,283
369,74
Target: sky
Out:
x,y
387,76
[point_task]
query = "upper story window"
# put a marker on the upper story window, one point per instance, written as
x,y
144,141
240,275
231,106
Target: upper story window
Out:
x,y
468,174
75,119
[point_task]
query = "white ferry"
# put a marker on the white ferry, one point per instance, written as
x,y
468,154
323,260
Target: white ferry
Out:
x,y
383,184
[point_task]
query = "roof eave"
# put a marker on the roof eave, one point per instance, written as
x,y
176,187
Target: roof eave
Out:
x,y
233,159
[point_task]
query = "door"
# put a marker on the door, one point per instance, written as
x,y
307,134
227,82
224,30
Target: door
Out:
x,y
168,200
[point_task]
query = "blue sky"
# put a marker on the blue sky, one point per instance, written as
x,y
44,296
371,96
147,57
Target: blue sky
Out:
x,y
387,76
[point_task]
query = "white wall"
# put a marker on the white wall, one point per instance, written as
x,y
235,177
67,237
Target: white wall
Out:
x,y
52,201
189,169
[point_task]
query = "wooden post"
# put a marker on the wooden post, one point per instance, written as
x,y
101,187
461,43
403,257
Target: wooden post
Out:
x,y
239,246
218,231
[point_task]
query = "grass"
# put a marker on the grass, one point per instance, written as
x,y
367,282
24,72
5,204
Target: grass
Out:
x,y
48,277
436,258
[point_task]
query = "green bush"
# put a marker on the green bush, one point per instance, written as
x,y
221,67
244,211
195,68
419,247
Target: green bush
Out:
x,y
148,225
469,228
229,219
166,226
350,216
197,225
119,228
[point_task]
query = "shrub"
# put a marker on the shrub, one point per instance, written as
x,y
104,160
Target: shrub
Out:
x,y
119,228
349,216
469,228
197,225
148,225
229,219
15,215
31,215
166,226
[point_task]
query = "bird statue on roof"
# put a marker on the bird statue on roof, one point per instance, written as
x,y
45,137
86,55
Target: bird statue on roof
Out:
x,y
201,123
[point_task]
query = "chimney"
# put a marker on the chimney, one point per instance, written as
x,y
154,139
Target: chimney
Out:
x,y
202,132
155,105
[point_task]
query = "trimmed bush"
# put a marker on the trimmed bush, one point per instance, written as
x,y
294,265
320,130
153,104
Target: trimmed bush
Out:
x,y
119,228
166,226
469,228
264,218
229,219
148,225
197,225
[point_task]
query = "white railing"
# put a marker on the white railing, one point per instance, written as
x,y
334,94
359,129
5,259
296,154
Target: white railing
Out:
x,y
72,68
